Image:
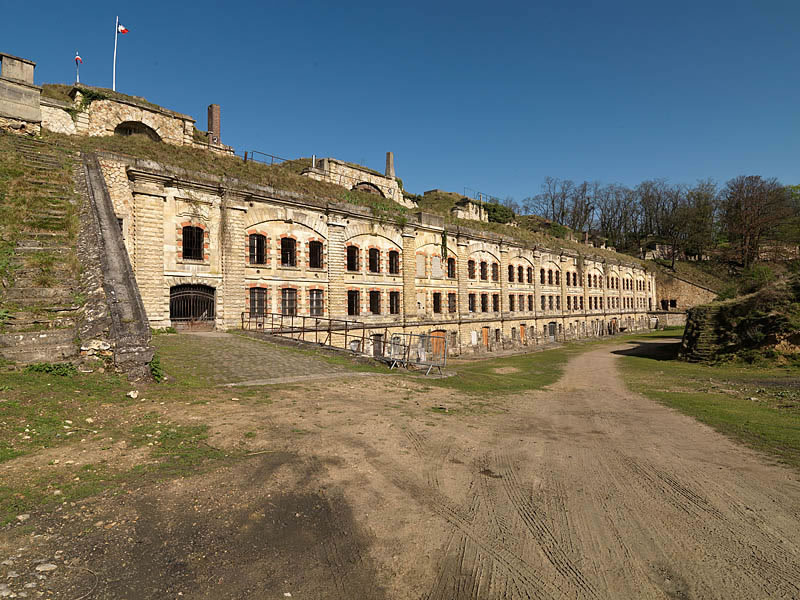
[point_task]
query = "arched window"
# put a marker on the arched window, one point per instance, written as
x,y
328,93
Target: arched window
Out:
x,y
549,276
569,277
315,255
394,262
588,281
374,260
541,276
136,128
193,242
520,274
451,268
530,275
288,252
495,272
558,277
484,271
510,273
258,249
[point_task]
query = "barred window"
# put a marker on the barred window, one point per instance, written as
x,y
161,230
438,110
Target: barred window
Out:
x,y
288,252
315,303
352,259
471,269
288,301
258,249
315,255
394,303
495,272
353,302
484,271
484,302
451,303
520,274
374,260
193,243
394,262
258,302
496,302
511,302
472,303
375,303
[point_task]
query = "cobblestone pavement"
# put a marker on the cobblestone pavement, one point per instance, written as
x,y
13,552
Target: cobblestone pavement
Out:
x,y
223,358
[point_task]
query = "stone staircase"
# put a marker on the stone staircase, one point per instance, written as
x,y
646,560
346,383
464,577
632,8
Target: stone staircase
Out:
x,y
41,298
701,338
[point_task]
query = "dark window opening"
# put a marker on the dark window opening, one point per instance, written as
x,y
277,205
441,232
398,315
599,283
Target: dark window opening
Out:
x,y
484,302
451,303
530,275
375,303
550,277
511,302
521,303
352,302
288,252
288,301
484,271
451,268
472,303
437,302
510,273
374,260
495,272
495,302
352,260
520,274
471,269
258,249
394,303
541,276
394,262
315,303
558,277
315,255
193,243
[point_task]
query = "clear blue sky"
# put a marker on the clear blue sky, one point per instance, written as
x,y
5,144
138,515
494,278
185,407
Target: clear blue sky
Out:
x,y
490,95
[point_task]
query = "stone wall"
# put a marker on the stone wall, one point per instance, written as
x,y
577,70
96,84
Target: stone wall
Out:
x,y
350,176
161,203
470,211
102,116
678,294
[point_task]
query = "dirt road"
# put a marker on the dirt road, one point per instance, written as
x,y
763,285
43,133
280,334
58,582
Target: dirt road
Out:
x,y
584,490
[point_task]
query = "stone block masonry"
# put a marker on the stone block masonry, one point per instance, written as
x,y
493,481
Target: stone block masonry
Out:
x,y
402,276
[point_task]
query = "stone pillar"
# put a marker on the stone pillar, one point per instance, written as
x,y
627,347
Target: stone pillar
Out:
x,y
214,134
148,256
390,165
503,279
337,295
233,245
463,277
409,267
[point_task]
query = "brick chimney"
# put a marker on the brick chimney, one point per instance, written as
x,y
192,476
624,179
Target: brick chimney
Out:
x,y
214,136
390,165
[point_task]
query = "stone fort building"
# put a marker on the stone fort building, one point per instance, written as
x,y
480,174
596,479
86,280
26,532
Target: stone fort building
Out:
x,y
216,252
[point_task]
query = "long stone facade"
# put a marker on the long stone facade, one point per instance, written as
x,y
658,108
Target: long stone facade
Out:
x,y
289,254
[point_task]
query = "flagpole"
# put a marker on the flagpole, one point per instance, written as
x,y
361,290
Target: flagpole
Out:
x,y
114,72
77,71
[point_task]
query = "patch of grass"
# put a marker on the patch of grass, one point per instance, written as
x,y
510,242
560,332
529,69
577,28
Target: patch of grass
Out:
x,y
60,369
756,406
508,374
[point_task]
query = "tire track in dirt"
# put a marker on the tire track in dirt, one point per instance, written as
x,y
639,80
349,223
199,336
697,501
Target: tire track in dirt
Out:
x,y
767,562
536,525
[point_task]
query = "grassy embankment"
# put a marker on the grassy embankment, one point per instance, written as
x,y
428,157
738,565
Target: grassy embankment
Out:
x,y
756,405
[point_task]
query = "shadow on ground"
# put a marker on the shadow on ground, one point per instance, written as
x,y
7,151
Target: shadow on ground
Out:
x,y
652,350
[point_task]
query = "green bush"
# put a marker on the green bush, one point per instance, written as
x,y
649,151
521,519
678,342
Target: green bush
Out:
x,y
498,213
156,370
62,369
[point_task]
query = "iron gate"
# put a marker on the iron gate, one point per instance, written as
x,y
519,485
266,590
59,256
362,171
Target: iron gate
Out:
x,y
192,305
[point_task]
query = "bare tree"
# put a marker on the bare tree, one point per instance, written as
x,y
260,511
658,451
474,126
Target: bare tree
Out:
x,y
751,207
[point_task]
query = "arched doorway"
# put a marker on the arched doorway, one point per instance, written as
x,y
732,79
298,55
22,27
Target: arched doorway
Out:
x,y
370,188
192,306
136,127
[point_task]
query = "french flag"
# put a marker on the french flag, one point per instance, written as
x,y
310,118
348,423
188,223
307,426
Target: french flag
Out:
x,y
78,60
122,29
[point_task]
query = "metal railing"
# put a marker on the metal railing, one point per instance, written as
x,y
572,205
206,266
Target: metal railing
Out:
x,y
337,333
262,157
